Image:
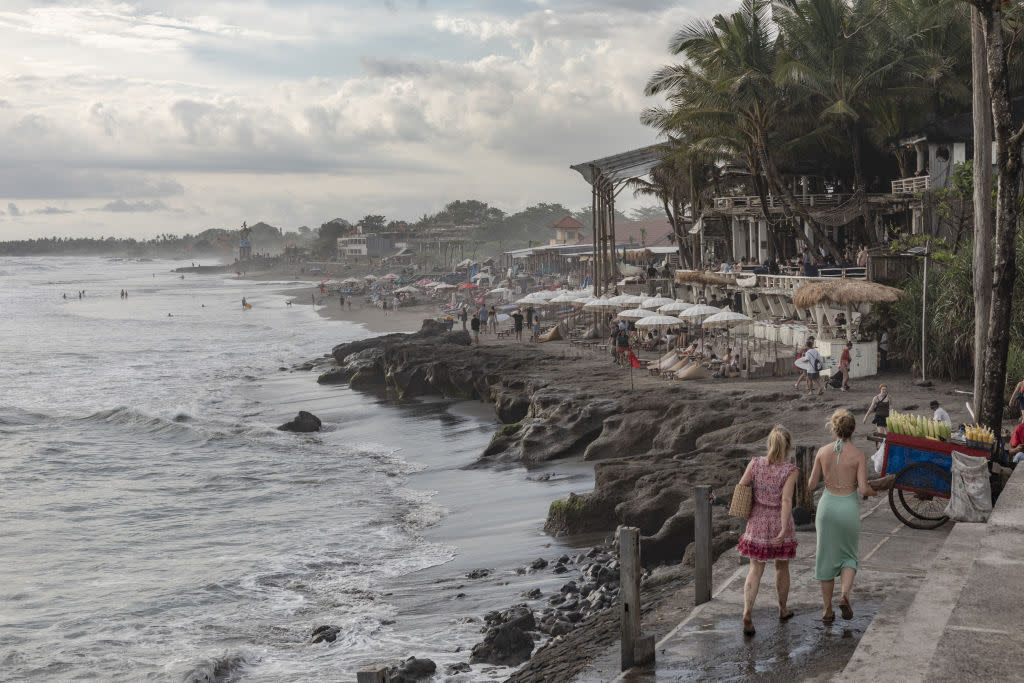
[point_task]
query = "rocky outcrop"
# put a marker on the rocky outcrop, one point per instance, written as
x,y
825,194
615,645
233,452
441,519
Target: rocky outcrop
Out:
x,y
506,642
303,422
412,670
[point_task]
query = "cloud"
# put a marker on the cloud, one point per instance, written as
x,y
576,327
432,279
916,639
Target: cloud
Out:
x,y
51,211
121,206
12,209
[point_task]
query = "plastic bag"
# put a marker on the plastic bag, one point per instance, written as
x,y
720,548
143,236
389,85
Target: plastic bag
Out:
x,y
970,497
878,459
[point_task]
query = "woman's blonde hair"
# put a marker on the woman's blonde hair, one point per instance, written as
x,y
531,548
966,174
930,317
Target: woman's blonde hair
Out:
x,y
779,442
842,423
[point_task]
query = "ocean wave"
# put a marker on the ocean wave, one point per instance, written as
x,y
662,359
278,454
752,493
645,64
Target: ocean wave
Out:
x,y
16,417
223,669
146,423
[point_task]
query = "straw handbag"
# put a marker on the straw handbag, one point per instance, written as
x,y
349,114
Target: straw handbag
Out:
x,y
742,501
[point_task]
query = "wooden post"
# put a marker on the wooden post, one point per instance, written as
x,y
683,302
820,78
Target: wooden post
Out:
x,y
805,462
629,566
376,674
702,539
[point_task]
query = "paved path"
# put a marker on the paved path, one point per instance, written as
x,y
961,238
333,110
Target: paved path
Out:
x,y
709,645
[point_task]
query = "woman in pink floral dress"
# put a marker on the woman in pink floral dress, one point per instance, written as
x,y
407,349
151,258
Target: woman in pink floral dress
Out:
x,y
770,533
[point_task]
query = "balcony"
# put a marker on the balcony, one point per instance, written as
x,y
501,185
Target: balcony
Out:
x,y
912,185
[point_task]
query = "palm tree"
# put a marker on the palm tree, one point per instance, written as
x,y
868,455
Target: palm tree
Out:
x,y
727,100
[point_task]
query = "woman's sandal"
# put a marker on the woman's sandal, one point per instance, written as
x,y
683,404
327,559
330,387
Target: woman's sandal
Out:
x,y
748,627
845,608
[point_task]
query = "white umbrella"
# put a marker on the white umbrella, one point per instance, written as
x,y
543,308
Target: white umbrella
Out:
x,y
584,299
726,319
600,306
635,314
675,307
444,285
500,291
699,311
546,294
654,303
531,301
369,277
627,300
564,298
409,289
657,321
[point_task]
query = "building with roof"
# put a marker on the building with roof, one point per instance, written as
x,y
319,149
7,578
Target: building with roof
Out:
x,y
568,230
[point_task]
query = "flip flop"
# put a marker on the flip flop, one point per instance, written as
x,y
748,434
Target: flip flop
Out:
x,y
829,618
787,616
844,607
748,628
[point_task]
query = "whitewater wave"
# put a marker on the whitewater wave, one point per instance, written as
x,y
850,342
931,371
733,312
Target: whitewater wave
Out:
x,y
224,669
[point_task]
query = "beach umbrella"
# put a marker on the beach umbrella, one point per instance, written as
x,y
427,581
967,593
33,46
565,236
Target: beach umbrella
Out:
x,y
502,317
726,319
584,299
564,298
468,285
654,303
696,313
699,311
407,290
601,305
657,322
635,314
500,291
443,286
675,308
369,277
390,276
531,301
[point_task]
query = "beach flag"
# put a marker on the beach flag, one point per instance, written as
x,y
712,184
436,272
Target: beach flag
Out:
x,y
633,360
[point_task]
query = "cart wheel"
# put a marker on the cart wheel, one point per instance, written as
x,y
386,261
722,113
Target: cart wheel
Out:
x,y
920,510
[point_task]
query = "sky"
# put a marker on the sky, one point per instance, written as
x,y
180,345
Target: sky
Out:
x,y
142,118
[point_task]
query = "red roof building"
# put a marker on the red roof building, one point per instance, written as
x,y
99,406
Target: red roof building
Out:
x,y
568,230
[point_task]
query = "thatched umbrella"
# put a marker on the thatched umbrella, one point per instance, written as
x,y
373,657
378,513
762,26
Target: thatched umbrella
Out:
x,y
845,293
701,277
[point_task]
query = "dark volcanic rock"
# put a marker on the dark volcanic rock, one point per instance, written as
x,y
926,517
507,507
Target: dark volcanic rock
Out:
x,y
539,563
411,670
507,645
478,574
459,668
322,634
303,422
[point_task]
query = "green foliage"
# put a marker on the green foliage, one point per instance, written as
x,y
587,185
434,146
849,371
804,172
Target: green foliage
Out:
x,y
950,320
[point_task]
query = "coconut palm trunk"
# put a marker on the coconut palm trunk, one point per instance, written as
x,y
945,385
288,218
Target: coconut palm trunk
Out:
x,y
1004,271
982,113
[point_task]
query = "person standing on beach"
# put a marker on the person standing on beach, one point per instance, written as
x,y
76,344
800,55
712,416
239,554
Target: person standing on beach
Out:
x,y
474,325
530,313
492,319
243,303
770,533
880,405
812,360
483,318
844,365
799,355
517,321
843,467
463,316
341,300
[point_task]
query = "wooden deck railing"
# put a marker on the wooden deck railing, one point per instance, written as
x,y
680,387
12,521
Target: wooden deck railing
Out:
x,y
912,185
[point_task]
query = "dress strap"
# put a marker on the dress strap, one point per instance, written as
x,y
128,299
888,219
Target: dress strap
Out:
x,y
837,448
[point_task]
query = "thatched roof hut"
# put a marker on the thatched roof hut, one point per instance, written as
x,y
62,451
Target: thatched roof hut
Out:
x,y
701,277
845,293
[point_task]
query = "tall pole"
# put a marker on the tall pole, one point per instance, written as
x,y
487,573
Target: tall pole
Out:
x,y
924,308
982,112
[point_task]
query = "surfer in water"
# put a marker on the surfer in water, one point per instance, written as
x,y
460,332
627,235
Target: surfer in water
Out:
x,y
244,304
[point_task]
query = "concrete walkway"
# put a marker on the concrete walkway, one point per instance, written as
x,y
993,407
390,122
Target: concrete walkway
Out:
x,y
965,622
709,644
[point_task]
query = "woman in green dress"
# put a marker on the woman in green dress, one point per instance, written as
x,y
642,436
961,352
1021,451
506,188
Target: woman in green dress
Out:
x,y
843,467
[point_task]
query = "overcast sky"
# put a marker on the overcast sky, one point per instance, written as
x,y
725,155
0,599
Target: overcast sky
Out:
x,y
143,117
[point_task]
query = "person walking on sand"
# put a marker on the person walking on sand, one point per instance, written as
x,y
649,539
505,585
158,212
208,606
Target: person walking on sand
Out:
x,y
814,365
844,365
803,372
474,325
483,318
843,468
770,533
463,316
517,324
492,320
880,405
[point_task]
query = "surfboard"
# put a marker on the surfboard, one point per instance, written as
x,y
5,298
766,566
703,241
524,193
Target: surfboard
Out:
x,y
248,306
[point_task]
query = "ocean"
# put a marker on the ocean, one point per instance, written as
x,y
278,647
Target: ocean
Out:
x,y
157,526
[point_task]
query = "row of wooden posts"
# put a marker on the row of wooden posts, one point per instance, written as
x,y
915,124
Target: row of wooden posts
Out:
x,y
639,649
